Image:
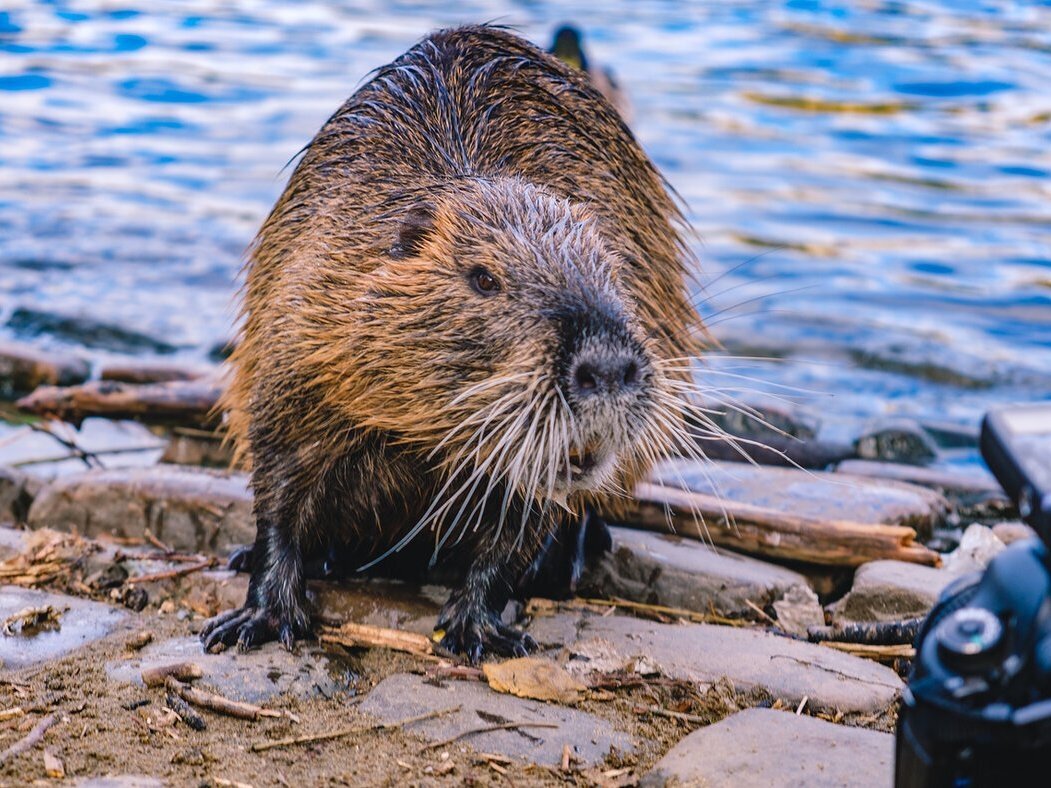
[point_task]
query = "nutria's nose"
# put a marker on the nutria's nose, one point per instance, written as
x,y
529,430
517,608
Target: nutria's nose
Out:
x,y
605,375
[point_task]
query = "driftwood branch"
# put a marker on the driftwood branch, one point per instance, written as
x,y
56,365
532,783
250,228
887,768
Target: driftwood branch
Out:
x,y
766,532
354,635
217,703
180,402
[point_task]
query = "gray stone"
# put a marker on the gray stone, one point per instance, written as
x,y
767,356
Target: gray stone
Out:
x,y
809,493
120,781
668,570
254,676
972,482
896,440
81,622
188,508
1009,533
798,610
978,547
752,659
890,591
767,749
402,696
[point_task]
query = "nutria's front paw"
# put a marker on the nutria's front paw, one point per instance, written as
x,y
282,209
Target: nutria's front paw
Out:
x,y
248,627
477,635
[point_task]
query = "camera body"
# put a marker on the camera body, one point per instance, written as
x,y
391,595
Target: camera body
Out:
x,y
977,709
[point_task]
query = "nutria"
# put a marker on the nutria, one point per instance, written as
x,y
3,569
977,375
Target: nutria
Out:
x,y
466,323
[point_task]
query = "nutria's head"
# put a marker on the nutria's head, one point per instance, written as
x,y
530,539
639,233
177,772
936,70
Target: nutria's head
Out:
x,y
499,337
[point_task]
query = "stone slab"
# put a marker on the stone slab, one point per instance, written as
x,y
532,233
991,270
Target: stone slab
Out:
x,y
191,509
776,749
667,570
836,496
254,676
890,591
402,696
82,622
751,658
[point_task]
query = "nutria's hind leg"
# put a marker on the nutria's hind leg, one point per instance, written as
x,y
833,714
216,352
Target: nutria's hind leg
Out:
x,y
276,606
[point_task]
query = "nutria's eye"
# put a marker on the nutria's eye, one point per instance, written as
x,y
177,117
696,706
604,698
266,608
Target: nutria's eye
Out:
x,y
484,282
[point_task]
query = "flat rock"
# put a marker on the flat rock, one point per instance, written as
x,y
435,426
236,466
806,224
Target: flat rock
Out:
x,y
836,496
24,367
12,542
254,676
120,781
970,483
750,748
890,591
667,570
82,622
402,695
752,659
191,509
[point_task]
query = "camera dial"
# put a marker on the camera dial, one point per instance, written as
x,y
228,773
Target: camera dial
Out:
x,y
968,638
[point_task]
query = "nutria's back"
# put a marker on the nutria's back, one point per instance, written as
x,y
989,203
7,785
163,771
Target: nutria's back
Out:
x,y
473,102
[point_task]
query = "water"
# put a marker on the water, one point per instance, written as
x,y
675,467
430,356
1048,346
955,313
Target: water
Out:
x,y
869,180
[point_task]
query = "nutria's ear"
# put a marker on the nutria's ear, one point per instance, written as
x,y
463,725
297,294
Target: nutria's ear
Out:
x,y
416,225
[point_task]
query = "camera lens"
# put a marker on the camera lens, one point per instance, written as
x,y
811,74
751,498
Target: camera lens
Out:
x,y
967,636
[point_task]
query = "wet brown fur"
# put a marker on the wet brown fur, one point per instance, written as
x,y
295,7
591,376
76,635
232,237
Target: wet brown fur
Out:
x,y
359,334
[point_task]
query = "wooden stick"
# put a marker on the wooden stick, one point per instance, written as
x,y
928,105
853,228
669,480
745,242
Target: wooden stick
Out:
x,y
177,402
217,703
382,726
192,719
672,715
503,726
363,635
183,671
878,653
767,532
173,573
30,740
674,612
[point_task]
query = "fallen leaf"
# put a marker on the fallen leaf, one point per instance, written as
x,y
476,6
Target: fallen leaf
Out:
x,y
533,677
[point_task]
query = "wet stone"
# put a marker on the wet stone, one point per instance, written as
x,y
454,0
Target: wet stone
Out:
x,y
81,622
890,591
897,440
402,696
685,573
24,367
752,659
809,493
749,749
254,676
190,509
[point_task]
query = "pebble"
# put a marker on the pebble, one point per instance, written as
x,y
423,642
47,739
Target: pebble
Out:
x,y
187,508
81,622
752,659
402,696
668,570
978,546
767,749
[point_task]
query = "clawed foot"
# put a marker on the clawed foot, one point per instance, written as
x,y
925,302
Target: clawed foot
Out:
x,y
241,559
475,636
248,627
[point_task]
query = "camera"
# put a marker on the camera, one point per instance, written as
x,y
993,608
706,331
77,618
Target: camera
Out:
x,y
977,708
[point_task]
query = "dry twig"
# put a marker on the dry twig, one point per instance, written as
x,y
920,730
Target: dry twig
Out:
x,y
383,726
30,740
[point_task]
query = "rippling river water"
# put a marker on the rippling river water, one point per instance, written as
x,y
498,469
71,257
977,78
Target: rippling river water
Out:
x,y
869,180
